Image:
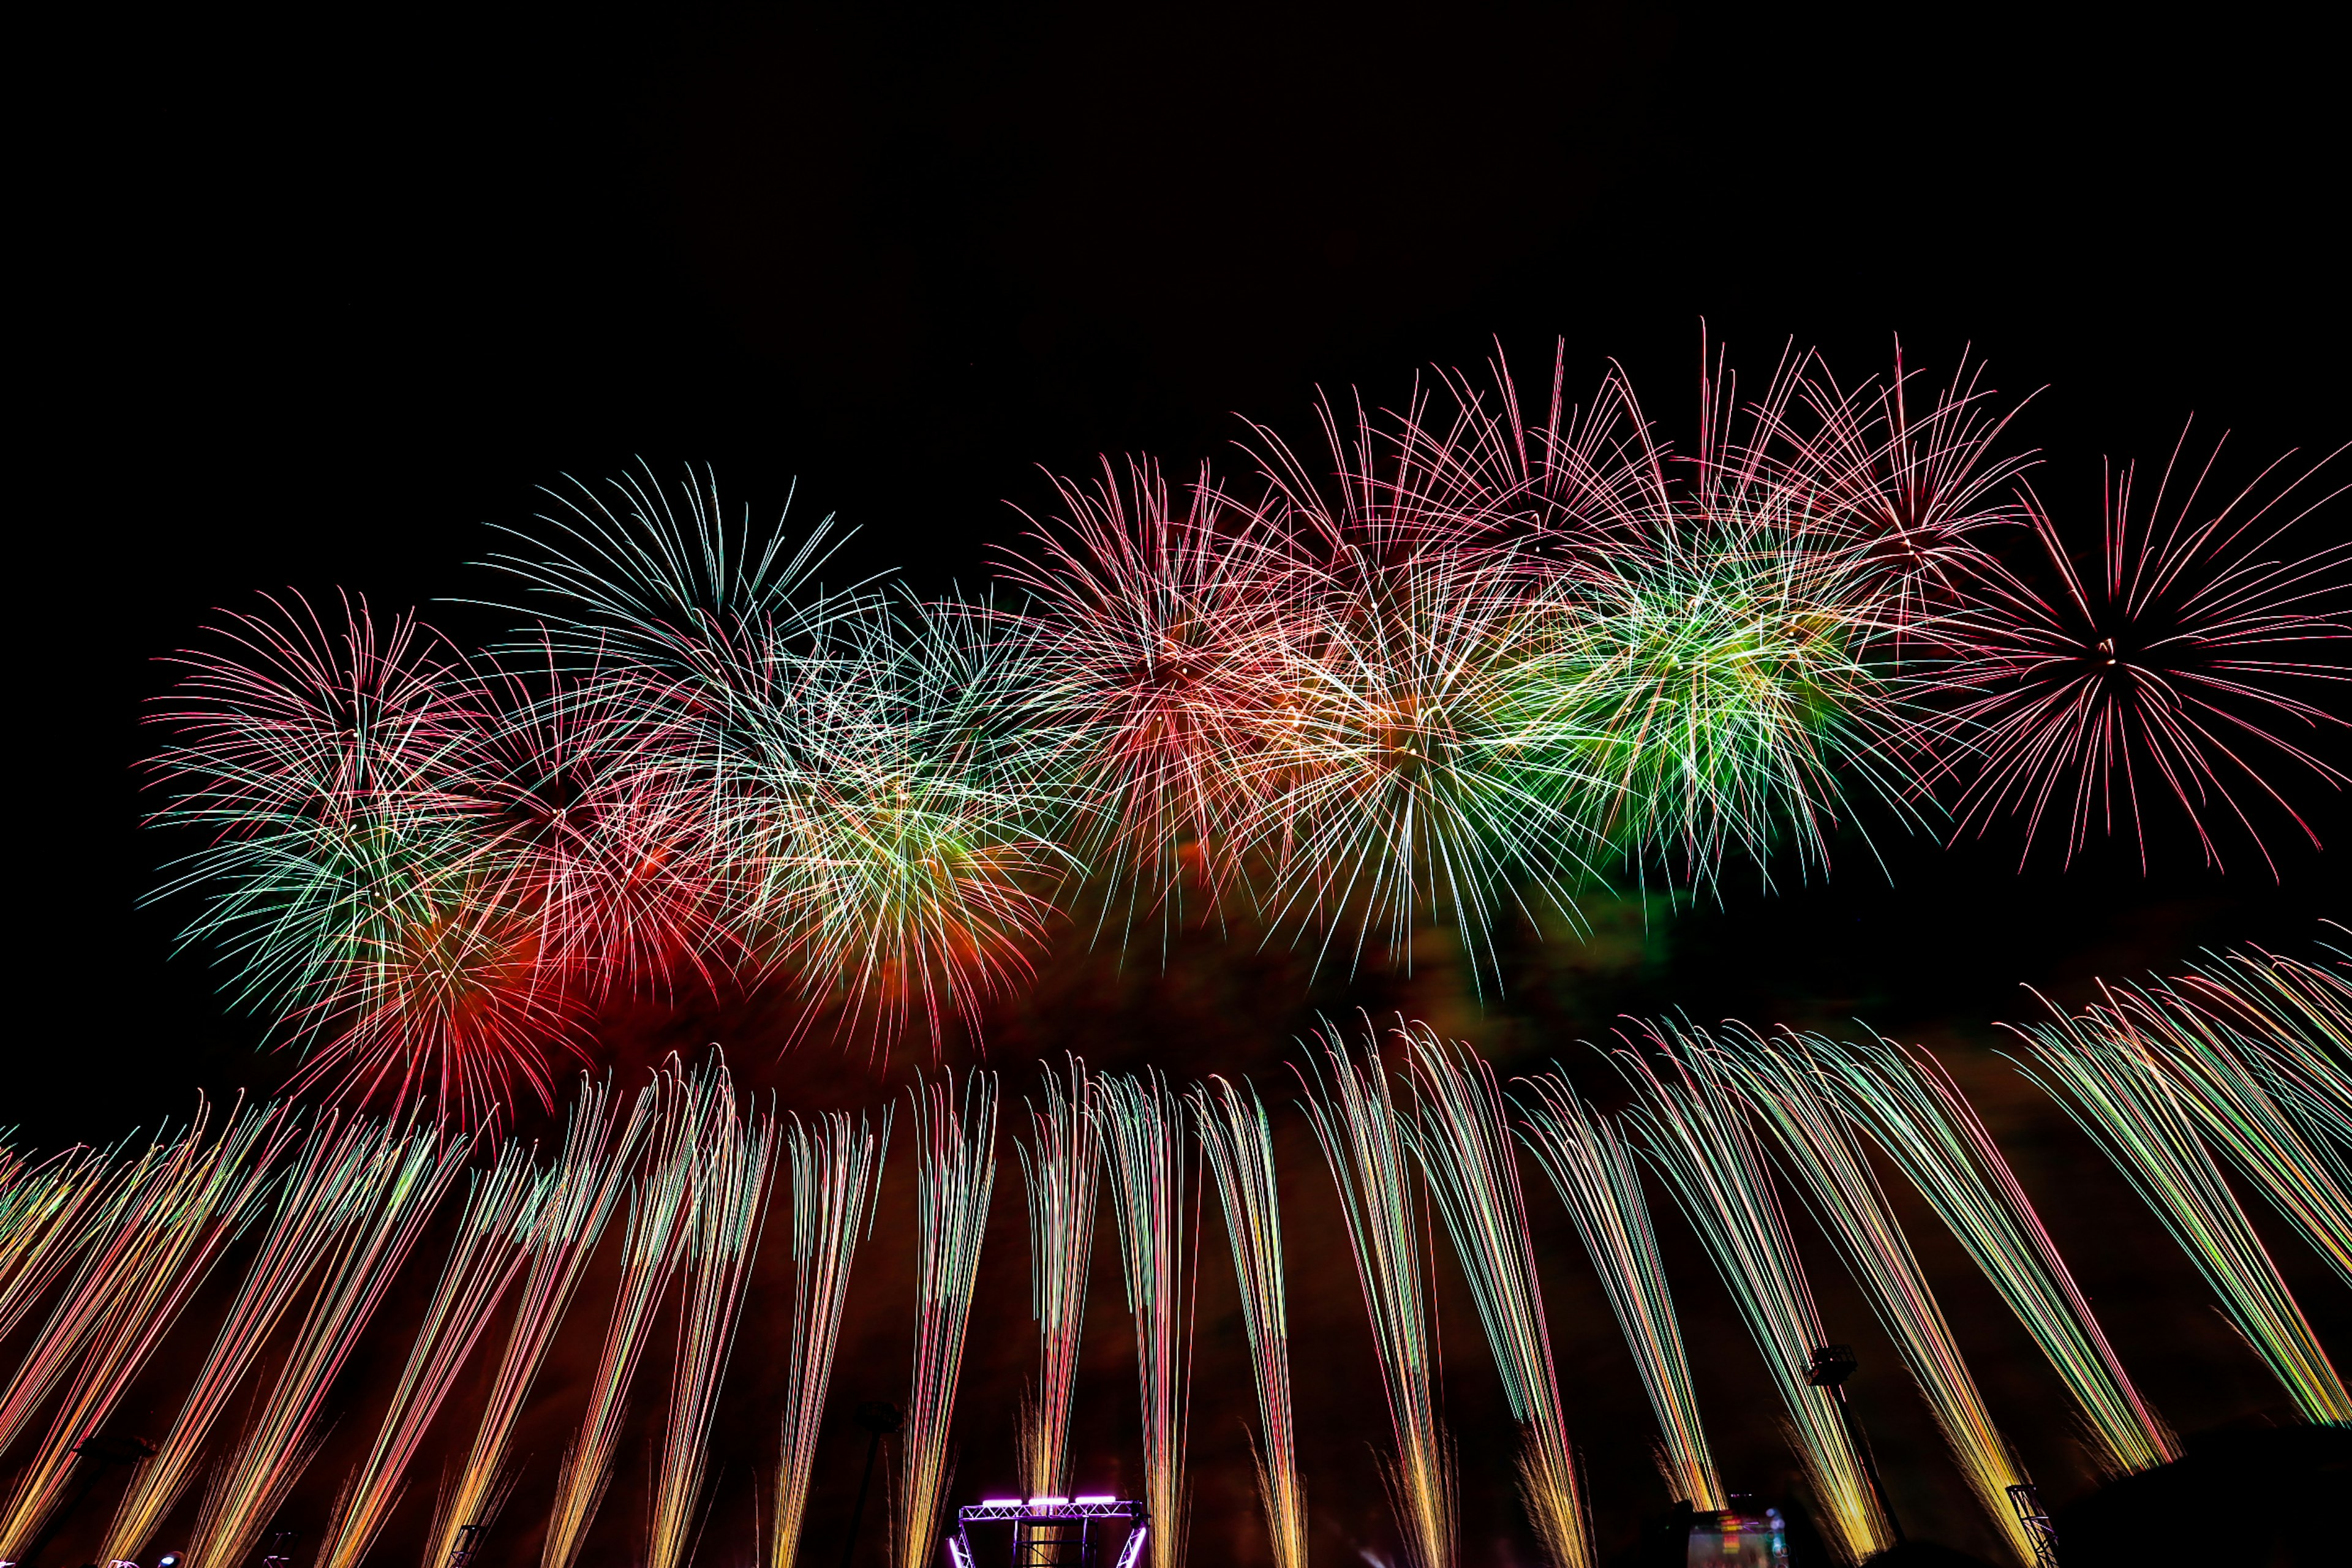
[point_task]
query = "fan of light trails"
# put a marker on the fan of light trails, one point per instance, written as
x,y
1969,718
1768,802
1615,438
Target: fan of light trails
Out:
x,y
1061,1162
1820,1148
1239,1149
570,1205
1914,1112
2168,670
403,1177
1144,1146
1593,1171
1694,1131
334,1182
2213,1071
661,1204
837,1172
955,1172
734,1152
489,1252
2105,1079
184,1213
1461,1137
46,1217
1163,690
1365,1144
2295,1020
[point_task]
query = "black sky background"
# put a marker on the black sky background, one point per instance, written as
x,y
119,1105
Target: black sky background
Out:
x,y
317,298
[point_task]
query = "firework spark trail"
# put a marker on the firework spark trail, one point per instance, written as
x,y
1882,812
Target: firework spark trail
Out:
x,y
488,1255
115,1229
661,1201
1694,1132
1144,1147
324,1191
1788,1094
735,1151
836,1172
570,1205
1461,1138
2215,1080
1918,1117
1364,1143
955,1172
1061,1162
1593,1171
2173,664
44,1219
180,1224
1161,683
2294,1020
1239,1149
402,1178
2103,1077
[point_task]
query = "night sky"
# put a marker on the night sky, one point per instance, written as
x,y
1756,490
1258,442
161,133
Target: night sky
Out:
x,y
317,300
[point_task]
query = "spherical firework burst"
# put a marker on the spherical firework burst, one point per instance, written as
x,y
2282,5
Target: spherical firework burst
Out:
x,y
354,880
2168,660
1159,630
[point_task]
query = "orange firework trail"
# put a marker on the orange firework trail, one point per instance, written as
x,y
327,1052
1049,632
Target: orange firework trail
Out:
x,y
1364,1143
2101,1072
955,1172
1694,1131
1144,1145
1790,1098
570,1206
735,1155
1239,1148
203,1195
401,1179
1594,1172
660,1211
489,1252
1462,1139
1061,1162
326,1188
836,1171
1917,1114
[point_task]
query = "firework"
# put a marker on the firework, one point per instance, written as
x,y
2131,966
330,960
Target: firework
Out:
x,y
1694,1131
1788,1095
735,1155
1239,1149
2169,669
2295,1019
400,1179
570,1205
1593,1171
1365,1145
1162,628
1412,776
661,1213
356,878
2099,1068
1060,1163
1143,1140
955,1172
324,1192
837,1172
45,1219
1461,1138
489,1251
1918,1115
185,1212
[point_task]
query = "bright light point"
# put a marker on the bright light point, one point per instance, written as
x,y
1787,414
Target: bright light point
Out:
x,y
1087,1499
1000,1502
1049,1502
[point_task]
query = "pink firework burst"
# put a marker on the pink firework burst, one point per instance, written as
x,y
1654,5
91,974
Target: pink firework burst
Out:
x,y
2163,663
